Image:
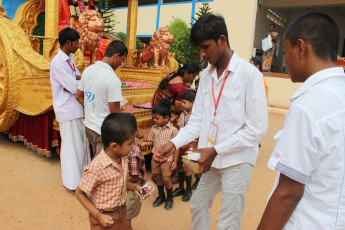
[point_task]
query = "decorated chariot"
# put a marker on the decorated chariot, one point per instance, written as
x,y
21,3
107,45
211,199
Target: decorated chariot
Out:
x,y
29,42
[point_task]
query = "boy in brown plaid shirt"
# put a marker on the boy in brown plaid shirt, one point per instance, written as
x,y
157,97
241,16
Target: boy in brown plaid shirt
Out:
x,y
161,133
136,175
102,190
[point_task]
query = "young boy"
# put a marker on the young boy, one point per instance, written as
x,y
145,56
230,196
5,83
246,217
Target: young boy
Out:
x,y
137,175
161,133
187,100
102,190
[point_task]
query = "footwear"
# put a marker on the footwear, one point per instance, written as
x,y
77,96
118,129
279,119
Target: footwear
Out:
x,y
178,192
186,196
195,185
158,202
169,203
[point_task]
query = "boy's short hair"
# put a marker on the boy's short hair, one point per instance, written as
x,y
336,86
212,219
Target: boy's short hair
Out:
x,y
208,26
163,108
68,34
258,62
116,46
319,30
189,95
197,81
118,128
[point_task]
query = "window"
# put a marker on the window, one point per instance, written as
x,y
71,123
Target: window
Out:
x,y
147,2
170,1
276,18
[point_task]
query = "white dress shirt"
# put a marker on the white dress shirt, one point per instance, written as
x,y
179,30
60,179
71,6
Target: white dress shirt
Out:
x,y
311,150
66,107
241,114
100,86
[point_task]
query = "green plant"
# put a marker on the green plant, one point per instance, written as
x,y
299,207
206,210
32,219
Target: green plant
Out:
x,y
103,7
180,46
123,37
194,51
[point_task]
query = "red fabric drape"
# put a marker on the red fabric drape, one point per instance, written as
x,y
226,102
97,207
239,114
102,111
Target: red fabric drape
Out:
x,y
36,132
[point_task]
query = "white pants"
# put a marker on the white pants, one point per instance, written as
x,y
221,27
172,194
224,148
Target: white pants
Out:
x,y
233,181
75,152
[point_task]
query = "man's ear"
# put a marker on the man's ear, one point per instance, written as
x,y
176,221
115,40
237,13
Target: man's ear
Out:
x,y
222,39
301,45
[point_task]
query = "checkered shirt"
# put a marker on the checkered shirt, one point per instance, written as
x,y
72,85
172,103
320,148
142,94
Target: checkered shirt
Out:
x,y
184,117
136,164
104,182
160,136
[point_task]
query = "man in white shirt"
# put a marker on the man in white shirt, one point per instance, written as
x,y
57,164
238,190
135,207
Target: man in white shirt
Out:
x,y
99,91
64,78
309,157
230,116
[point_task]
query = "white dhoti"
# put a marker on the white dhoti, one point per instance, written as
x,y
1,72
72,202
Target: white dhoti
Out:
x,y
75,152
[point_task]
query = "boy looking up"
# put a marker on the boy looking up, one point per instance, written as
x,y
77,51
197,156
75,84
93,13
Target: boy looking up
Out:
x,y
103,188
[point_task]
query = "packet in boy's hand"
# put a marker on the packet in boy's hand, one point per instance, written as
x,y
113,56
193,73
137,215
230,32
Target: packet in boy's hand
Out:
x,y
193,156
147,189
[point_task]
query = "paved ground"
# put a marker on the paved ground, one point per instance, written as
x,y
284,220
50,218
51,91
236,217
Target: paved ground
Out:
x,y
31,195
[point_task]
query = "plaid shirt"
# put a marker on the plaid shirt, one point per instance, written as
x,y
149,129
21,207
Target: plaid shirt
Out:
x,y
184,117
136,164
104,182
160,136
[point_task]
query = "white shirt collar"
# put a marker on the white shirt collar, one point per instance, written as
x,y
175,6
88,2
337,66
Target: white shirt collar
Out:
x,y
231,68
105,65
315,79
63,55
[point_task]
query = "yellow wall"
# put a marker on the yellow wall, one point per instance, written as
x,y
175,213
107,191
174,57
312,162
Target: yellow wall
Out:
x,y
147,20
169,12
240,20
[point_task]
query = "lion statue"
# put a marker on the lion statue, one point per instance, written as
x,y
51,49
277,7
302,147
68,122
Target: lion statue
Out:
x,y
157,51
90,26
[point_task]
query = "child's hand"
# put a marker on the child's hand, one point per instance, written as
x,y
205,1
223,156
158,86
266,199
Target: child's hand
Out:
x,y
138,189
105,220
173,166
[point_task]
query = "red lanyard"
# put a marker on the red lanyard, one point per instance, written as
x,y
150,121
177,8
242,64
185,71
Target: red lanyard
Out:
x,y
220,93
73,68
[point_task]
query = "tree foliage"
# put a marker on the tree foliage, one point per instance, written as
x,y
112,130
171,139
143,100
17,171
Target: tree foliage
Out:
x,y
123,37
181,47
104,8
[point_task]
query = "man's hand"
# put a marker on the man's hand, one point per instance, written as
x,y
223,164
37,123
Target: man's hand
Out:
x,y
78,77
173,166
158,158
207,156
105,220
166,150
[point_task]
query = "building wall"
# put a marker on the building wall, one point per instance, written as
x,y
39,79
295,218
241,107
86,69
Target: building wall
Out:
x,y
240,19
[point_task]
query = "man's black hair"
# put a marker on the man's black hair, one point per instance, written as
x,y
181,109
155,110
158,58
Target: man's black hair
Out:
x,y
68,34
163,108
118,128
208,26
258,62
189,95
319,30
116,46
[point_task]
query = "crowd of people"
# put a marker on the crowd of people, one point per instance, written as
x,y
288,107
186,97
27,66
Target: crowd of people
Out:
x,y
223,120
